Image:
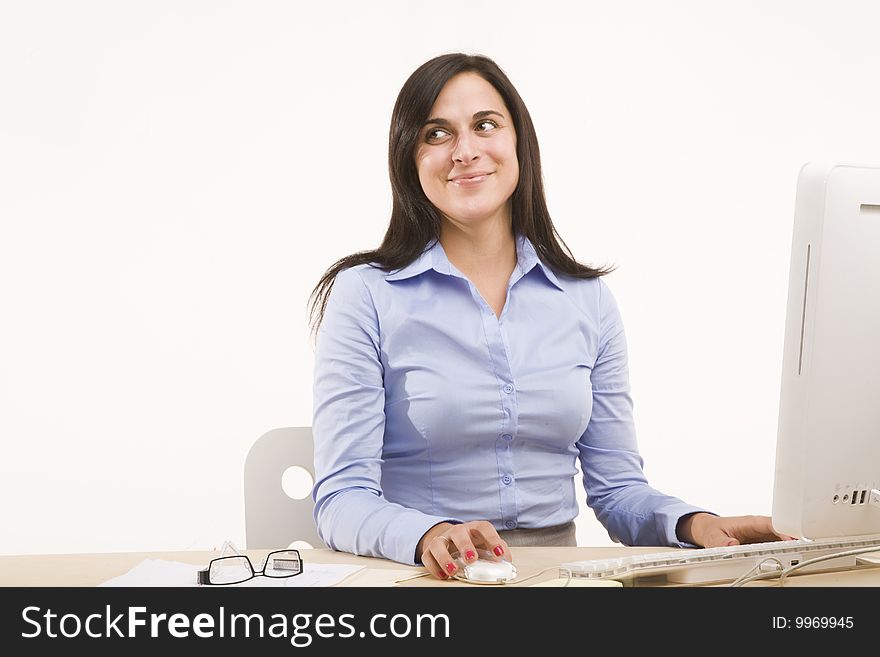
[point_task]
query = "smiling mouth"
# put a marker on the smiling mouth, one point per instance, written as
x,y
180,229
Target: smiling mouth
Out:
x,y
468,182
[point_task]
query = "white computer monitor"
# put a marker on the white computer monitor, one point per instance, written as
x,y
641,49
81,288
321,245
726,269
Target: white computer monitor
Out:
x,y
828,441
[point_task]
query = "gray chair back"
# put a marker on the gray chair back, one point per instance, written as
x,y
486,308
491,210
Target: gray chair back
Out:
x,y
273,519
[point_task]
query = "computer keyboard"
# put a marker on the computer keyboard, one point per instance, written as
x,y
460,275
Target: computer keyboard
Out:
x,y
721,564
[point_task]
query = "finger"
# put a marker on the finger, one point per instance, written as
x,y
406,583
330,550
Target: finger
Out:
x,y
780,535
487,536
720,536
501,550
784,537
461,538
753,529
437,558
720,539
430,562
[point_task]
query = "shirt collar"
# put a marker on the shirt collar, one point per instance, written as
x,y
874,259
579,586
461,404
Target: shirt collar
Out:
x,y
434,257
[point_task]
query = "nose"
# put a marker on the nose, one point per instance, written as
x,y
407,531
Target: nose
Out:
x,y
466,149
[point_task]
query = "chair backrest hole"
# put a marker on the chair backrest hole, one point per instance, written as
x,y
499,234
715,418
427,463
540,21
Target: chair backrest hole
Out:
x,y
297,482
301,545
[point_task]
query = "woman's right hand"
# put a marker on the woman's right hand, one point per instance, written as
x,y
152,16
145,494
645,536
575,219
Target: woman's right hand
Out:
x,y
439,542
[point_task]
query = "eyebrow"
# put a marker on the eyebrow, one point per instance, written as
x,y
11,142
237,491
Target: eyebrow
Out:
x,y
478,115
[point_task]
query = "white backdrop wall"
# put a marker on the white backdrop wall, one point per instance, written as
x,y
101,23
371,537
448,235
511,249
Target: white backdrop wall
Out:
x,y
176,176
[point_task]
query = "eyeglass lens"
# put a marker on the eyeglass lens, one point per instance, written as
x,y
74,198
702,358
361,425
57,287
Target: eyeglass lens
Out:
x,y
232,570
285,563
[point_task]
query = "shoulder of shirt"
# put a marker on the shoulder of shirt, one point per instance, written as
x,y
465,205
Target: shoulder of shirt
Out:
x,y
586,293
366,280
370,274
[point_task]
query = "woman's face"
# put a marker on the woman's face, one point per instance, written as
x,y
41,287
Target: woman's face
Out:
x,y
469,131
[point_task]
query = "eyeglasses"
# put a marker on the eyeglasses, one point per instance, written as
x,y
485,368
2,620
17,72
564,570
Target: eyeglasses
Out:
x,y
238,568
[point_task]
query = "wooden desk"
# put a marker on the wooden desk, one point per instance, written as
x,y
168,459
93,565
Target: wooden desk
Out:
x,y
93,569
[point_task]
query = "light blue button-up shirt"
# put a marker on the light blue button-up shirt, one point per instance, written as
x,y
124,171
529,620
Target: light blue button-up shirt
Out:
x,y
429,408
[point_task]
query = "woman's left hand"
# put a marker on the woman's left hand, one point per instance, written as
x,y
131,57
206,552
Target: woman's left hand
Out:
x,y
707,530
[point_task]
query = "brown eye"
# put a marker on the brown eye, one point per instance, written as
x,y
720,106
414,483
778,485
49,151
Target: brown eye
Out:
x,y
432,132
492,123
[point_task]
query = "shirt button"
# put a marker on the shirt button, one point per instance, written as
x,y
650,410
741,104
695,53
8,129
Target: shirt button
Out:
x,y
508,388
510,524
507,436
506,479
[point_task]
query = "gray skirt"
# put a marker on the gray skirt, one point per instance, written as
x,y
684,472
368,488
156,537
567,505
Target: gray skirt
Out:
x,y
559,535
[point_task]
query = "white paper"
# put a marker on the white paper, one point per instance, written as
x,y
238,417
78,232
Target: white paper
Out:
x,y
158,572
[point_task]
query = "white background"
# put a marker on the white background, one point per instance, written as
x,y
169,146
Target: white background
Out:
x,y
176,176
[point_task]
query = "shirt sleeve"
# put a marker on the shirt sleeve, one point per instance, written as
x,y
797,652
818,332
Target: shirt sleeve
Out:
x,y
348,426
632,511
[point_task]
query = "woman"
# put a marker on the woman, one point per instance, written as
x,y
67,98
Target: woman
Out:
x,y
463,366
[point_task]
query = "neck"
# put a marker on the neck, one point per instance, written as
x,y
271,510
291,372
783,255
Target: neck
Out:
x,y
479,250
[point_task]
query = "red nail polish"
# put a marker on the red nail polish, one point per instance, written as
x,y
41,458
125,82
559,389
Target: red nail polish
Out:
x,y
498,550
470,554
450,567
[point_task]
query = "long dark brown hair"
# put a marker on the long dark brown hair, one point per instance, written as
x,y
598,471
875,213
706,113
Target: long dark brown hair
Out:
x,y
415,222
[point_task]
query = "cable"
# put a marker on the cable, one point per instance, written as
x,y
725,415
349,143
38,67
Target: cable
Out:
x,y
416,576
785,573
526,579
568,576
782,573
748,577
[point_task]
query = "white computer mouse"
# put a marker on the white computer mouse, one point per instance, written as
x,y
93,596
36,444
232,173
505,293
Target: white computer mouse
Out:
x,y
485,570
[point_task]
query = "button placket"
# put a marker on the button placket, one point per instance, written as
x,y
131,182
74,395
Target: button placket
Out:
x,y
505,440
